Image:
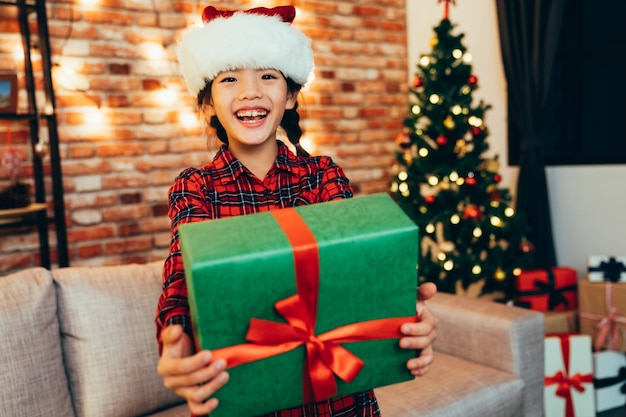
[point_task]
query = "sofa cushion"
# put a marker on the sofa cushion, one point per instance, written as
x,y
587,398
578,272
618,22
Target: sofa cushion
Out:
x,y
32,377
108,335
454,387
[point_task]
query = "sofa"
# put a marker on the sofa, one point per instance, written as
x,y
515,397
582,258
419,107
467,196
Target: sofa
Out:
x,y
80,341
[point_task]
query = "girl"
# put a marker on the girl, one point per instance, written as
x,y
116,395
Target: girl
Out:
x,y
247,69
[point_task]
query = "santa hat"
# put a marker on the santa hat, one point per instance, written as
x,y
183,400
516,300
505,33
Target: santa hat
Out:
x,y
258,38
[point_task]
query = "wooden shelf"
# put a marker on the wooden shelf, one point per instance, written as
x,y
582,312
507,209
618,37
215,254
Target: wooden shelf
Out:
x,y
10,215
33,24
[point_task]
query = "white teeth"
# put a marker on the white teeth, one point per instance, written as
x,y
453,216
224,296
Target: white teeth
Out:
x,y
251,113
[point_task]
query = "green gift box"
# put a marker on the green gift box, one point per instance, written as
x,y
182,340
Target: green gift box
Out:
x,y
304,303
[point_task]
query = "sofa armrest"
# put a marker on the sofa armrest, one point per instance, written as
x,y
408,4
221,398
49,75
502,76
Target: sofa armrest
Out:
x,y
493,334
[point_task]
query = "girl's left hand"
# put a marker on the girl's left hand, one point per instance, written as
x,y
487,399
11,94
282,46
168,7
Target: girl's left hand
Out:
x,y
420,335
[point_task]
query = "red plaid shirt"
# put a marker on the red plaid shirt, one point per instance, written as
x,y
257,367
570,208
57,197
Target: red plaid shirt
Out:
x,y
226,188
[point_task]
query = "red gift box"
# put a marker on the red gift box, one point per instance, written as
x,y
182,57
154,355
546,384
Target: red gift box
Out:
x,y
548,290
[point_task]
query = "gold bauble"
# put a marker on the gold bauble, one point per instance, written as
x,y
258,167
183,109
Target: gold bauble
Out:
x,y
449,123
41,148
499,275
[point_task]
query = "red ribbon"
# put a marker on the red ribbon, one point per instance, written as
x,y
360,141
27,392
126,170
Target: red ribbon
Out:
x,y
325,358
286,13
565,382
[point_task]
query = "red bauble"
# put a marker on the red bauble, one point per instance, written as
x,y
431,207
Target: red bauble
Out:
x,y
472,79
417,82
429,199
403,140
470,181
476,131
472,211
526,246
495,196
497,178
441,140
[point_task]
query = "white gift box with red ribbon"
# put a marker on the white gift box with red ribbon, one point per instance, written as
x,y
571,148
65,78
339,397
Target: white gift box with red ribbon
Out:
x,y
568,383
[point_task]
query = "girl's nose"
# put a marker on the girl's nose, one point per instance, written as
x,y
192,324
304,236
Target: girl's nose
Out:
x,y
250,89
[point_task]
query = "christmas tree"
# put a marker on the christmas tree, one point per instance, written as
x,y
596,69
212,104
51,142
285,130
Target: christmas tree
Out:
x,y
470,236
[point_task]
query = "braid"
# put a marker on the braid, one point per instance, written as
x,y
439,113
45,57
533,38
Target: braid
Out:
x,y
291,120
291,124
219,129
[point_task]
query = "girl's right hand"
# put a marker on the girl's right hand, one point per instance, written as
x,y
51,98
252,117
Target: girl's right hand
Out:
x,y
194,377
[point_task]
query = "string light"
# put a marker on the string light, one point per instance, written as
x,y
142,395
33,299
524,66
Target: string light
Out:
x,y
495,221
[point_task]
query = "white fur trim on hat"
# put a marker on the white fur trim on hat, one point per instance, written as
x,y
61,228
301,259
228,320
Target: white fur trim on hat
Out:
x,y
244,41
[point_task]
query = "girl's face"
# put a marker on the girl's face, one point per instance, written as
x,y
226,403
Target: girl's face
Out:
x,y
250,104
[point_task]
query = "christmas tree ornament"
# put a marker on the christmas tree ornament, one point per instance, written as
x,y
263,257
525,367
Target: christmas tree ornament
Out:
x,y
499,274
441,140
403,140
448,123
491,165
472,80
429,199
476,131
526,246
417,82
446,8
433,42
497,178
41,148
472,211
460,148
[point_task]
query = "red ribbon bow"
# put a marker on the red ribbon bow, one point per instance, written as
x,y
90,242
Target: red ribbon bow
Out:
x,y
565,381
324,355
286,13
607,329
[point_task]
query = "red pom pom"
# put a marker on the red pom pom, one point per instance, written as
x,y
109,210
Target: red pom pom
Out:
x,y
429,199
472,79
441,140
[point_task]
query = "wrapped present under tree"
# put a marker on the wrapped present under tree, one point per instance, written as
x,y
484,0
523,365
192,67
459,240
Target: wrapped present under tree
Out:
x,y
606,268
602,312
547,290
568,384
609,380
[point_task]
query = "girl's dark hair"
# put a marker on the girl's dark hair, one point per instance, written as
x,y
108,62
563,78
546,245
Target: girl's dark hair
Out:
x,y
290,122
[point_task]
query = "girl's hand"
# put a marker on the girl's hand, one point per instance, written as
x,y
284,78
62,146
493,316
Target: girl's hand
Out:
x,y
194,377
420,335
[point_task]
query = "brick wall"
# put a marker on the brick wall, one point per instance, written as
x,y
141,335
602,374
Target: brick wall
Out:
x,y
122,145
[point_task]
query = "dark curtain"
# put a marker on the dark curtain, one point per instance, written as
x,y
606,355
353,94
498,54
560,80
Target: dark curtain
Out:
x,y
529,38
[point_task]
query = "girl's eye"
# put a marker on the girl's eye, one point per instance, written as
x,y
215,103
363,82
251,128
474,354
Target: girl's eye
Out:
x,y
228,80
269,76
